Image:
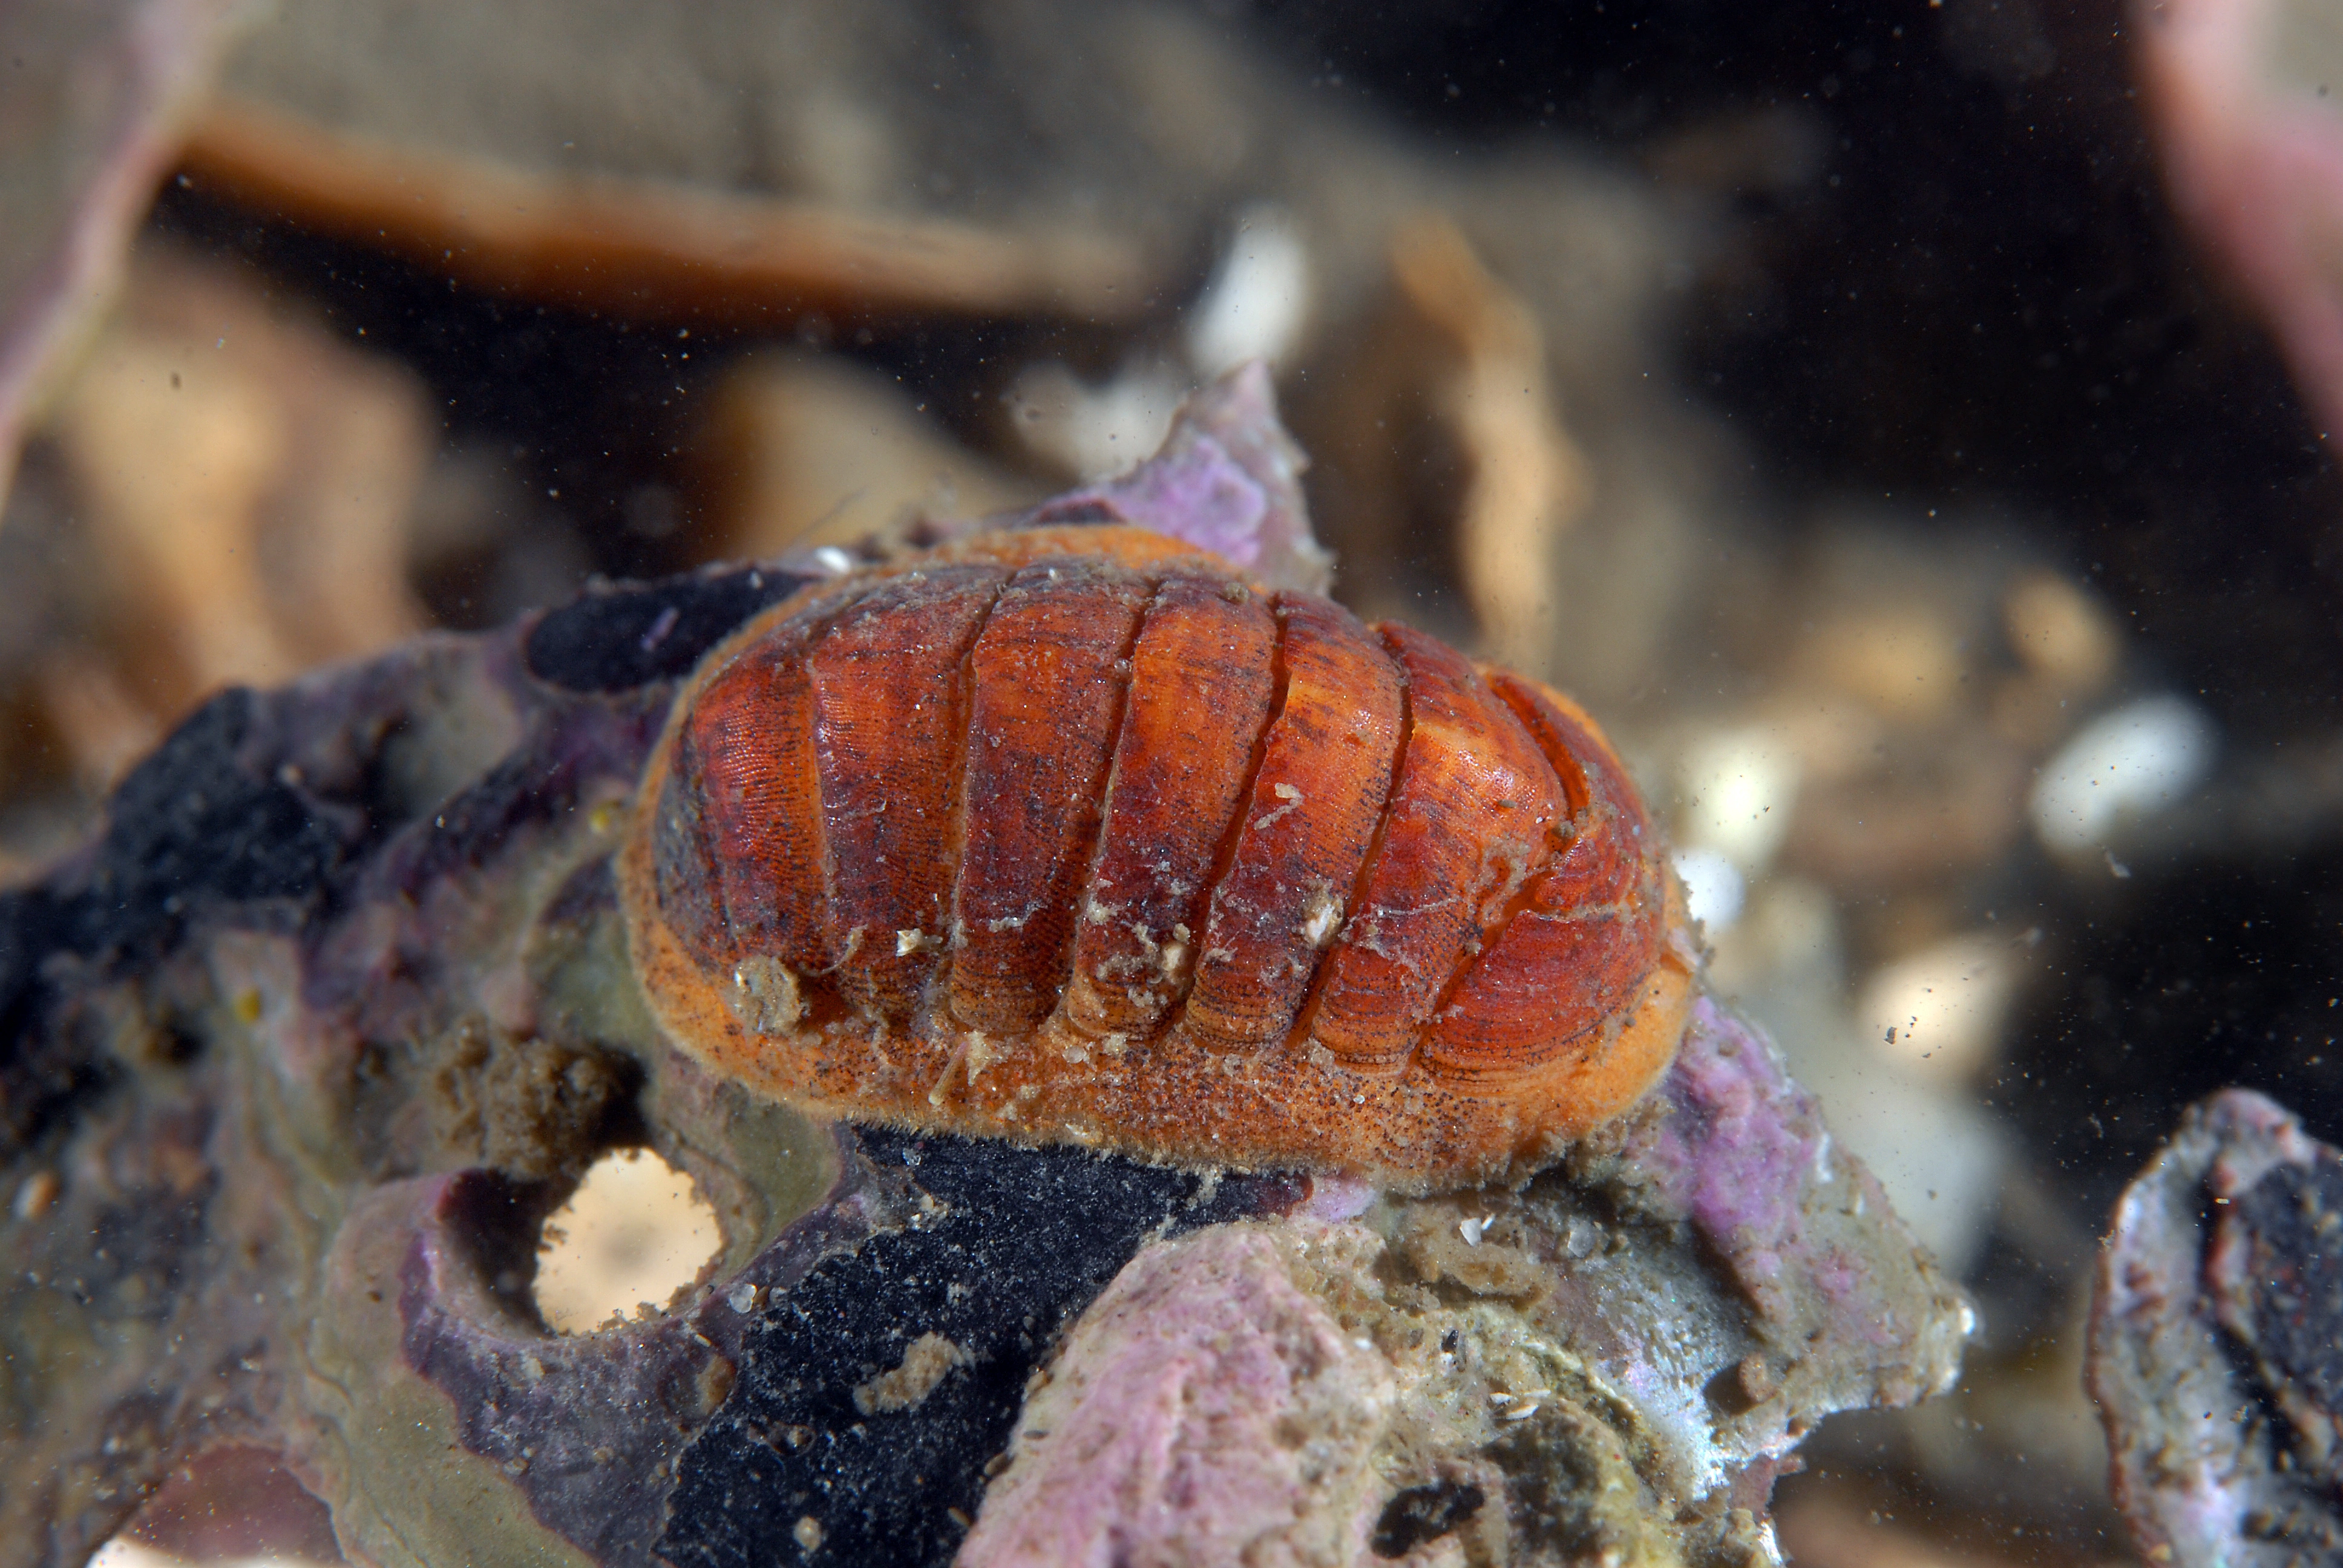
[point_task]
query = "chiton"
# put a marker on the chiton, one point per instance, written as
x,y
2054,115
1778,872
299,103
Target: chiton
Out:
x,y
1077,835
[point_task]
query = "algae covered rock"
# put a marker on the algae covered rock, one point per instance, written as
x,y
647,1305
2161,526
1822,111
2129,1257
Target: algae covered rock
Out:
x,y
296,1059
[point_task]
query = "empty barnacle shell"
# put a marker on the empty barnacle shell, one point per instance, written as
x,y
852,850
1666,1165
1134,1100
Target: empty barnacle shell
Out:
x,y
1228,876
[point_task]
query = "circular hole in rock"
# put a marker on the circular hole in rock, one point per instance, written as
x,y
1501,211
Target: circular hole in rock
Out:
x,y
635,1232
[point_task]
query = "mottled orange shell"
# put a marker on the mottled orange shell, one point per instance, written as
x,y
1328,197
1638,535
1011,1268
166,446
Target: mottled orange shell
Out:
x,y
1076,835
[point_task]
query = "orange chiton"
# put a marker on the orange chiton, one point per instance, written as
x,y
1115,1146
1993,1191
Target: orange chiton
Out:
x,y
1077,835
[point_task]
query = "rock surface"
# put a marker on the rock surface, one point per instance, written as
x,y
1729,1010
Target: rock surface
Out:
x,y
301,1053
2214,1357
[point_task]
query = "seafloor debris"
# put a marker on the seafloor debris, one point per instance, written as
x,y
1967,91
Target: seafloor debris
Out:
x,y
797,451
96,95
240,483
2216,1355
745,164
655,252
1447,389
221,492
2238,94
301,1053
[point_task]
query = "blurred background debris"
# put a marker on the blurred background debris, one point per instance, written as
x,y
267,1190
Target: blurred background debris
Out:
x,y
242,484
1908,432
98,101
2240,96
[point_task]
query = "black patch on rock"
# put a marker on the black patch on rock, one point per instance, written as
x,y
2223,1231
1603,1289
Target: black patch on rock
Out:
x,y
1025,1241
43,1072
1422,1513
627,635
474,823
2284,1292
193,828
30,921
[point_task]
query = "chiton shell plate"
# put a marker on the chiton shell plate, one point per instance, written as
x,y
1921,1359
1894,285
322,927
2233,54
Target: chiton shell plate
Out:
x,y
1078,835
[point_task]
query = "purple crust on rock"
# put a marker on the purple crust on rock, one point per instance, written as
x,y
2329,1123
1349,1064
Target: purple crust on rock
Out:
x,y
1227,479
1167,1432
1738,1139
1201,496
1850,1305
1737,1151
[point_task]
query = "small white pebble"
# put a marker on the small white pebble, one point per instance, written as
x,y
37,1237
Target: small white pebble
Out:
x,y
1257,301
1739,789
2144,757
